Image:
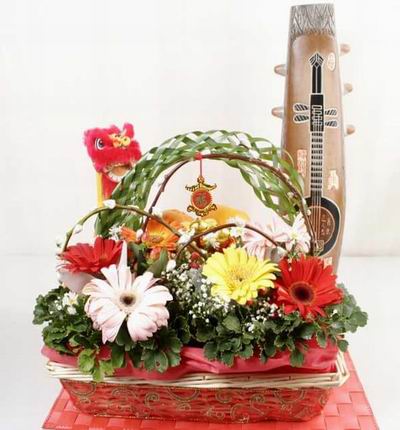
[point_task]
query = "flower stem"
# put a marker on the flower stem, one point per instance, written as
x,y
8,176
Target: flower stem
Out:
x,y
126,208
221,227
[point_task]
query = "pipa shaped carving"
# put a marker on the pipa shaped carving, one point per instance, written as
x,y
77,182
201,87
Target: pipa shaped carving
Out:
x,y
313,130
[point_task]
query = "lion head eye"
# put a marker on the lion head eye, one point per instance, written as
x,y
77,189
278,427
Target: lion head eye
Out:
x,y
98,143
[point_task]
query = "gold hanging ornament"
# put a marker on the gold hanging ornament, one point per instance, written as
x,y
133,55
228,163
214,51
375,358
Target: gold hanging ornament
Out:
x,y
201,201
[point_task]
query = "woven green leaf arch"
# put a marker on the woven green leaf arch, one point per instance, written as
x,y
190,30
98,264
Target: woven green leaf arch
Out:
x,y
273,178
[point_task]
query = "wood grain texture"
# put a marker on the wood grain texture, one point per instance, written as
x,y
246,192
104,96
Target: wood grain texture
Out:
x,y
311,32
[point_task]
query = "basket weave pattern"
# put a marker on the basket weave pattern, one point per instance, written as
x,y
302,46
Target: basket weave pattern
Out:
x,y
347,408
230,405
242,398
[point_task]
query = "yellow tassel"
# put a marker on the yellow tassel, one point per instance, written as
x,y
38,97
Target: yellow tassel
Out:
x,y
99,184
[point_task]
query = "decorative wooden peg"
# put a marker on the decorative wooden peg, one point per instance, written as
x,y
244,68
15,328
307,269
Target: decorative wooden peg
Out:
x,y
350,129
347,88
280,69
277,112
344,48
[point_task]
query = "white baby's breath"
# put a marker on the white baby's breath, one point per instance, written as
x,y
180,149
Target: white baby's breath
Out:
x,y
170,265
186,236
115,231
211,239
69,301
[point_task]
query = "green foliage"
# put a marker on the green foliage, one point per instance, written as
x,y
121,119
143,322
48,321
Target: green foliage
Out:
x,y
232,323
344,317
225,340
159,265
64,332
87,360
136,186
296,358
158,353
225,333
138,254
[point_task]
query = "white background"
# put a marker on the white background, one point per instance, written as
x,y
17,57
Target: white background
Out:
x,y
171,67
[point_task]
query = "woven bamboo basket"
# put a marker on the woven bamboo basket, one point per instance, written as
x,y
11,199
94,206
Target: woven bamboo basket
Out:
x,y
241,398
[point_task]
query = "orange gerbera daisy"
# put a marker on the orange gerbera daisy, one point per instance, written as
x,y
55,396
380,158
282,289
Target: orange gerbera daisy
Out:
x,y
128,235
307,286
158,237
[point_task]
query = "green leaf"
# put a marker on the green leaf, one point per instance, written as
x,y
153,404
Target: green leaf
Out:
x,y
204,333
269,349
106,367
225,345
342,345
135,354
117,356
149,360
159,266
138,256
246,352
321,339
231,322
280,341
307,331
86,360
210,350
228,358
182,328
123,338
175,345
73,341
161,361
296,358
98,374
174,359
359,318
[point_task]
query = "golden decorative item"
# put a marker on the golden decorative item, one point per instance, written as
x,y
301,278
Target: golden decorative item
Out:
x,y
201,201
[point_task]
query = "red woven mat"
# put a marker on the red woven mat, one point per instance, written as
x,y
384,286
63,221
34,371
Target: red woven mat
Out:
x,y
347,409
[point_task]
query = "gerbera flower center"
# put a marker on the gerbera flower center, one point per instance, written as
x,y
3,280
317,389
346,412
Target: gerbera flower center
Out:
x,y
155,239
302,292
127,299
238,275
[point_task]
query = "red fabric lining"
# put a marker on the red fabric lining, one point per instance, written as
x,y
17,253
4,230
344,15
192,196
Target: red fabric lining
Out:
x,y
317,360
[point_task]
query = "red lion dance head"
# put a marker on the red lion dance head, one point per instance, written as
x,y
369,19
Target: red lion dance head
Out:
x,y
113,153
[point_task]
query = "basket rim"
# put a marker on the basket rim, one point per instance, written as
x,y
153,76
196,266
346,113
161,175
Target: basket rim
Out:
x,y
213,381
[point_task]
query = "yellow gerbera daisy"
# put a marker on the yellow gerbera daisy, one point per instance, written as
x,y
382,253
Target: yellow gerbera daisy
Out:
x,y
237,275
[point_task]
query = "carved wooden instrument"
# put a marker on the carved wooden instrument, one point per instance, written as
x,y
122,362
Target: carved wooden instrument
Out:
x,y
312,121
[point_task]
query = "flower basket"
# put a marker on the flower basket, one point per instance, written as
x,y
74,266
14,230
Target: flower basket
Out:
x,y
220,398
214,318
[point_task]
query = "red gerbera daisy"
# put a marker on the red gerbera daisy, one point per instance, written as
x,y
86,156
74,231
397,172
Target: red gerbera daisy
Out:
x,y
307,286
83,257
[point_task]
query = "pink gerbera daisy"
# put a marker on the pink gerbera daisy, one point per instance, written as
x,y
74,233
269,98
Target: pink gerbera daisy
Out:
x,y
122,297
